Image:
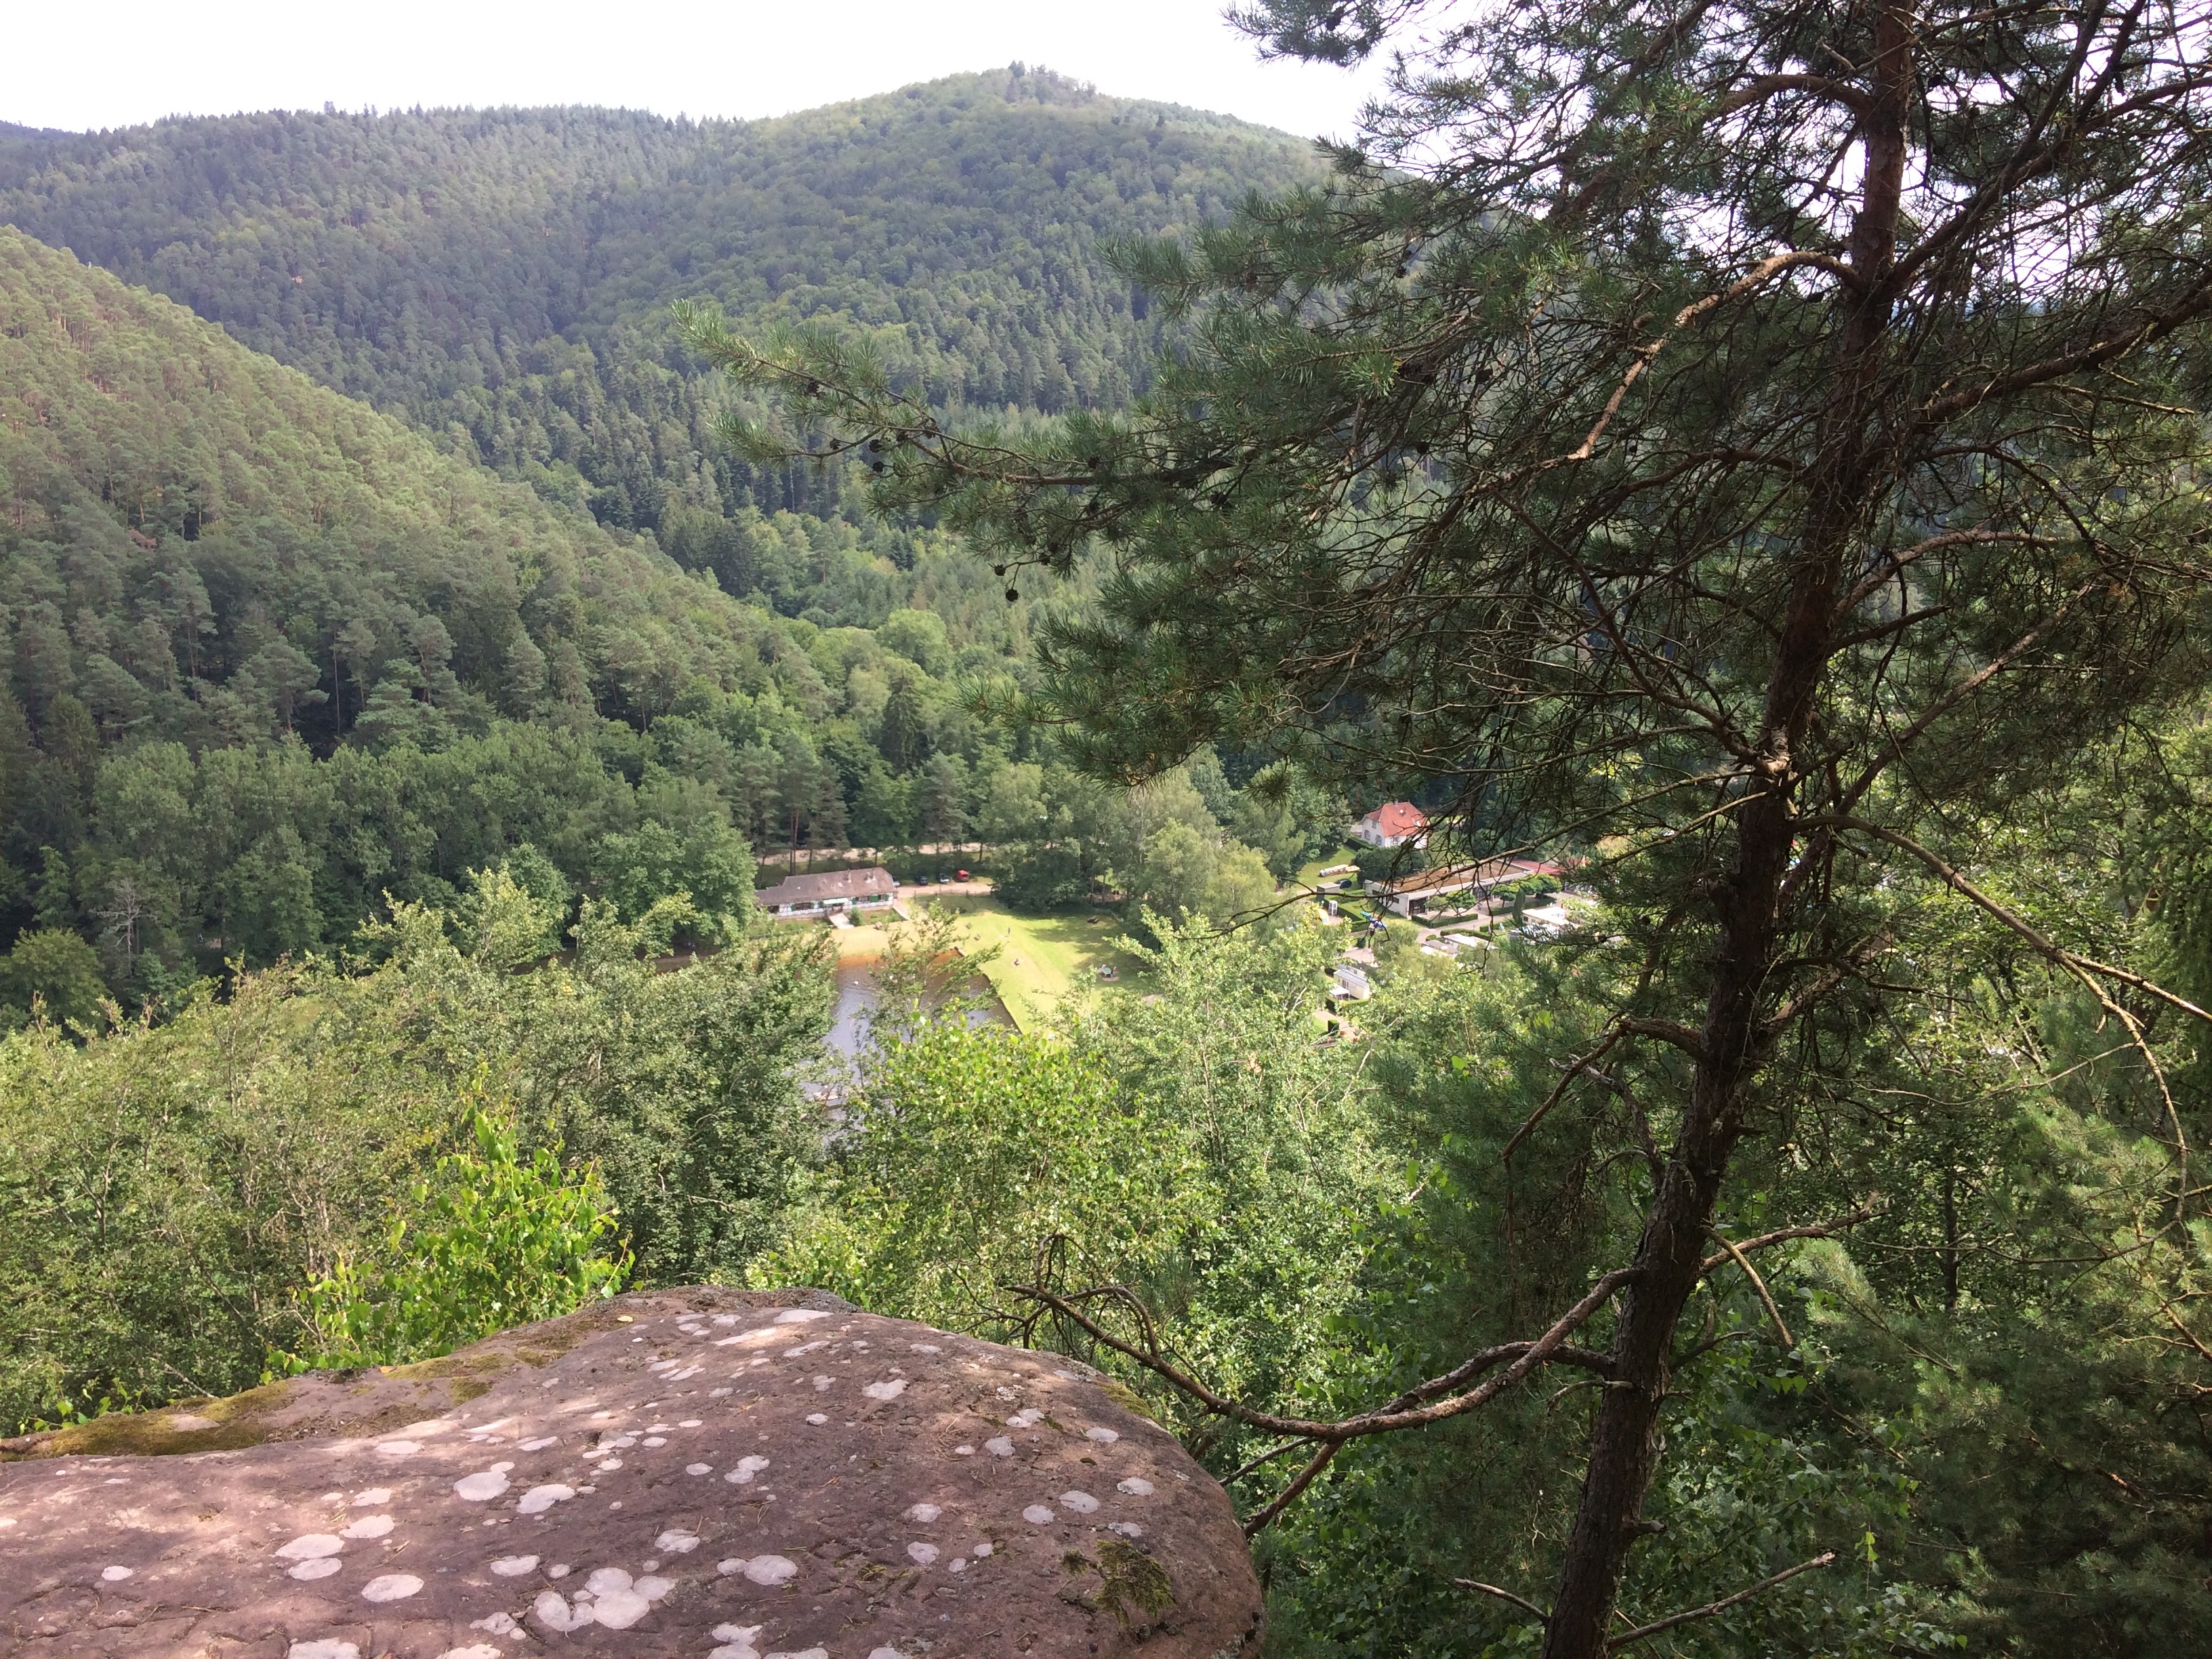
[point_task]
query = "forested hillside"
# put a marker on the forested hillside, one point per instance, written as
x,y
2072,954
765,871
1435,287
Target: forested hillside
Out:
x,y
273,655
1799,1249
501,278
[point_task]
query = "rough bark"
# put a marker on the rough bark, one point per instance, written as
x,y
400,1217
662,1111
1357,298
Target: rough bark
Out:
x,y
1670,1253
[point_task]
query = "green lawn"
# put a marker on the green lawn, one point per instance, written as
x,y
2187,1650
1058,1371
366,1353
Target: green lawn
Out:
x,y
1310,875
1042,959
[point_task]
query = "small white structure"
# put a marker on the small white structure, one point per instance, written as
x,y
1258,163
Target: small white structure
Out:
x,y
1352,982
1393,824
1547,921
833,893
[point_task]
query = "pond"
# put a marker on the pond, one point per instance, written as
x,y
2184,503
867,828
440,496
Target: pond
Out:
x,y
856,995
857,998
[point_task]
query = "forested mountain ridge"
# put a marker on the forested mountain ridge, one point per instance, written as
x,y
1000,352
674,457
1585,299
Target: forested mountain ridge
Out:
x,y
272,656
181,510
501,278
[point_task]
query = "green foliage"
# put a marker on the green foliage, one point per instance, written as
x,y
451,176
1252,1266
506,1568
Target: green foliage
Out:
x,y
490,1240
274,657
1196,1146
52,974
206,561
170,1189
1390,863
1185,872
500,278
1066,840
173,1189
1809,541
681,1088
1287,817
968,1152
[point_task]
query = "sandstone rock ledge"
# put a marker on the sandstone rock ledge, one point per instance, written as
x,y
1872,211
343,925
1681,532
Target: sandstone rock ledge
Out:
x,y
723,1475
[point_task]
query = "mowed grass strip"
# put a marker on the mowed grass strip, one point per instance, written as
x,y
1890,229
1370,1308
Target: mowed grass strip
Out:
x,y
1042,959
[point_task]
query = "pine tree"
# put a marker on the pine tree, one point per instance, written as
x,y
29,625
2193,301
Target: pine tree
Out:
x,y
1740,440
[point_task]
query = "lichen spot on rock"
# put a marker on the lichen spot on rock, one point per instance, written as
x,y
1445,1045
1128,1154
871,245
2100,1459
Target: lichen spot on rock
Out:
x,y
551,1609
482,1487
765,1570
620,1609
748,1468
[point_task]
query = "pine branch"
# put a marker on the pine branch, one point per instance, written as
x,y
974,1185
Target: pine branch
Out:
x,y
1520,1602
1672,1620
1407,1410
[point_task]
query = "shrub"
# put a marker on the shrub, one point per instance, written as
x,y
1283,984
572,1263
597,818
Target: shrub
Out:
x,y
491,1241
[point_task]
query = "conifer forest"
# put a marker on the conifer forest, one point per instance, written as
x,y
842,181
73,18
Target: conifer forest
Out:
x,y
1736,1181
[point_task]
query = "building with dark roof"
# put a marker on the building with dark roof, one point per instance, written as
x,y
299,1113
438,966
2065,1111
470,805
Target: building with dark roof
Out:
x,y
829,893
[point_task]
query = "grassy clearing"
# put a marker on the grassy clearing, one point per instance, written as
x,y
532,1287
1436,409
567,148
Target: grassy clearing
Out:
x,y
1042,960
1310,876
862,942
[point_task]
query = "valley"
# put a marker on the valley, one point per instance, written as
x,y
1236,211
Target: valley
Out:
x,y
1574,736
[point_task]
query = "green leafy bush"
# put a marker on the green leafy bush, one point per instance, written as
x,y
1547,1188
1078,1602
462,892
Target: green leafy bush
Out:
x,y
170,1191
1197,1146
492,1239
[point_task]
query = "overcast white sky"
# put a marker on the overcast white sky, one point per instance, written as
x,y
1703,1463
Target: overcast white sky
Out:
x,y
146,58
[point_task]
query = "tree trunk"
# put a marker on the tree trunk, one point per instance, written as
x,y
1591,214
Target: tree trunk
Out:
x,y
1669,1256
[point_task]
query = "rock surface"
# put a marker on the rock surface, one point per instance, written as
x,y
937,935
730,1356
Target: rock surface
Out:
x,y
720,1474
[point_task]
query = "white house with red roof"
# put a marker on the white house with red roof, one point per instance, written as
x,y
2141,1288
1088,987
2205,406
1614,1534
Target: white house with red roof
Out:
x,y
1393,824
